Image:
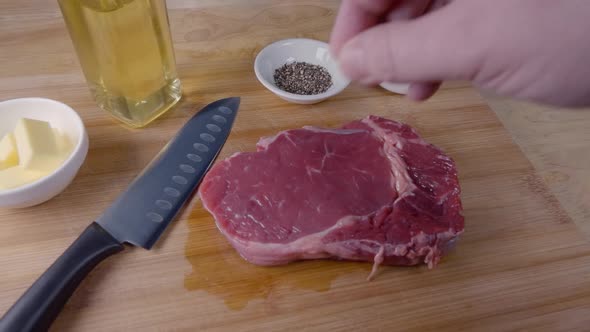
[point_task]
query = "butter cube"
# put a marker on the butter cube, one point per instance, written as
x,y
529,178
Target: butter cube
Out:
x,y
36,145
8,153
64,145
17,176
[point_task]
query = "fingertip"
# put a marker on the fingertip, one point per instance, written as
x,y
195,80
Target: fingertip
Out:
x,y
351,60
334,44
422,91
334,49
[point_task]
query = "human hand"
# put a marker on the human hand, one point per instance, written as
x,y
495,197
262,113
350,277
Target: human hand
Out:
x,y
529,49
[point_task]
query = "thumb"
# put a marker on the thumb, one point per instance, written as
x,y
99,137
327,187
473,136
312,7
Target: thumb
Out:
x,y
436,47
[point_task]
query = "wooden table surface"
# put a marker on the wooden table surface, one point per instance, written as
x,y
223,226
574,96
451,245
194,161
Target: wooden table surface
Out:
x,y
522,263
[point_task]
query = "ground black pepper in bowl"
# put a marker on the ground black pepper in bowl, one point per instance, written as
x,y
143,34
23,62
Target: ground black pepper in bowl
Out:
x,y
303,78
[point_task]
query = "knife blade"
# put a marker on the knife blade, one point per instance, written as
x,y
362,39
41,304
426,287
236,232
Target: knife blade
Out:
x,y
155,197
138,217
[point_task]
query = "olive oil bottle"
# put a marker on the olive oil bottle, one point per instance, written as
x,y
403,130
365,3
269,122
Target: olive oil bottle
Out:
x,y
125,50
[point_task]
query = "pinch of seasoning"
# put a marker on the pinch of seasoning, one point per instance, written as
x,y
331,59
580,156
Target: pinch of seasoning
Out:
x,y
303,78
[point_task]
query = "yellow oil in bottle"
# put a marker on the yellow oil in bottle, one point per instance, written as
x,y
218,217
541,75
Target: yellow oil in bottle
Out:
x,y
125,49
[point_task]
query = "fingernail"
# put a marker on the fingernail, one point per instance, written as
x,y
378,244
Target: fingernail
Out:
x,y
351,62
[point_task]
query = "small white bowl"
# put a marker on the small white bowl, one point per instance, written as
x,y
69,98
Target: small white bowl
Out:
x,y
399,88
60,116
285,51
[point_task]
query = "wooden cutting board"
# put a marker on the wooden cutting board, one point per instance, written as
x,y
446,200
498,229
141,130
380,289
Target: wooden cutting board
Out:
x,y
521,264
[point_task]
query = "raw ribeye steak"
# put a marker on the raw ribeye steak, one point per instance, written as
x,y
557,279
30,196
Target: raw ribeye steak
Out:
x,y
372,190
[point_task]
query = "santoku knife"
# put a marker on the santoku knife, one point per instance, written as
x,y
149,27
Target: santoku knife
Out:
x,y
138,217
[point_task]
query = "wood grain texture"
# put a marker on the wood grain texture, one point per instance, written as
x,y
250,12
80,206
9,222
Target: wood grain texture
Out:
x,y
557,142
522,264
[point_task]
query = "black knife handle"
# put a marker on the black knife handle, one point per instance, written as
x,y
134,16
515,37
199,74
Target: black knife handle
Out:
x,y
38,307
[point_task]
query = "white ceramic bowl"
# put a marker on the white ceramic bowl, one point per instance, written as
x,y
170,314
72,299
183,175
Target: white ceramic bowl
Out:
x,y
60,116
399,88
285,51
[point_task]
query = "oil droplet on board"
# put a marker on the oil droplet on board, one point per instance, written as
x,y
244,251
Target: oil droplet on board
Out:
x,y
218,269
